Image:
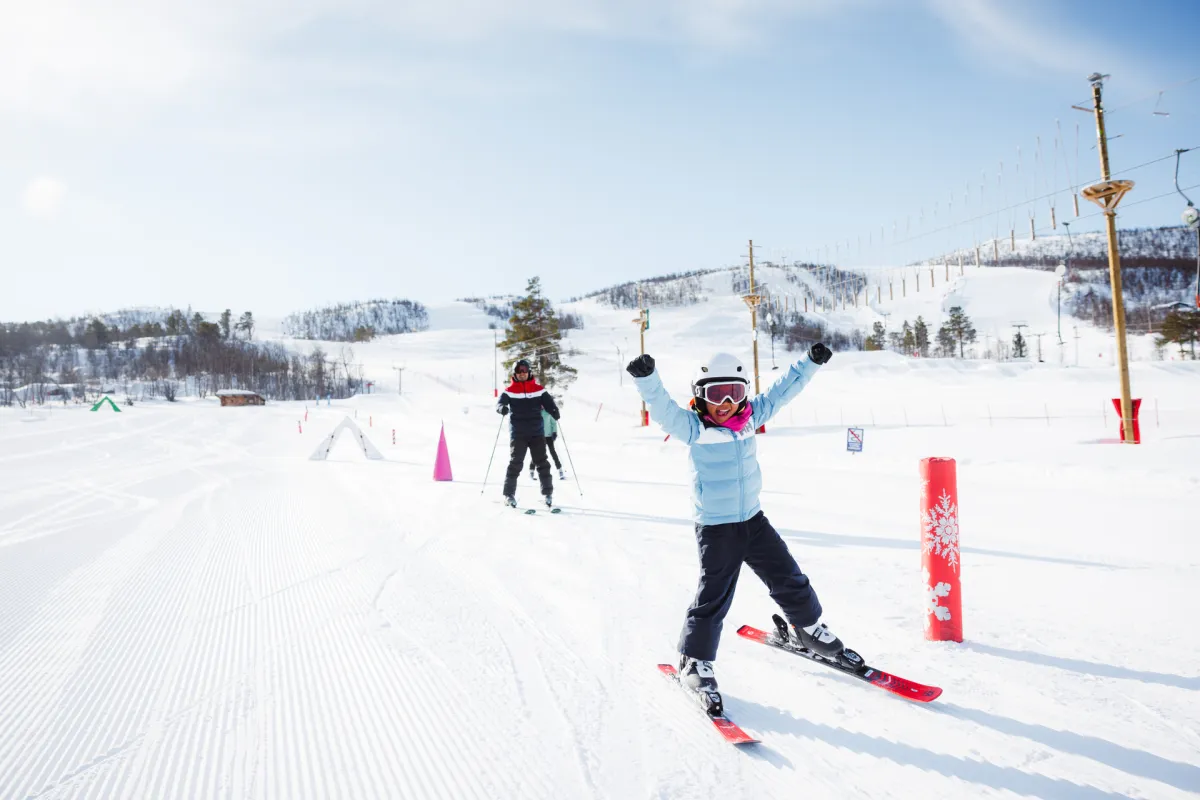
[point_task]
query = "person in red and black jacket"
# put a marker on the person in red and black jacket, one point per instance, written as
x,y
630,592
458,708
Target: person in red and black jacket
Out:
x,y
525,398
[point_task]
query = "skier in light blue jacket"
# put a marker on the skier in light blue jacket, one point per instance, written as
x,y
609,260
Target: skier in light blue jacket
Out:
x,y
719,426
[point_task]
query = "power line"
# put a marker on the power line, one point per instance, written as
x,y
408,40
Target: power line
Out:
x,y
1157,93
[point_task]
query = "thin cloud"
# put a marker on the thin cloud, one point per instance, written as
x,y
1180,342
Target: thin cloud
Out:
x,y
65,57
1018,40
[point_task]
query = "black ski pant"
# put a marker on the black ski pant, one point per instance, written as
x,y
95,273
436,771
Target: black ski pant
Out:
x,y
536,445
723,550
553,454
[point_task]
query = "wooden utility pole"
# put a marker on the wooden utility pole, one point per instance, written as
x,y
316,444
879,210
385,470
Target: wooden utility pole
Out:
x,y
643,322
1107,194
752,300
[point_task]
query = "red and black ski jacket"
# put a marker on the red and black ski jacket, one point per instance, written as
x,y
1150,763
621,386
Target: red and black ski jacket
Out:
x,y
525,401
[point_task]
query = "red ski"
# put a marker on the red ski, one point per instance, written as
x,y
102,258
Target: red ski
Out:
x,y
851,663
713,708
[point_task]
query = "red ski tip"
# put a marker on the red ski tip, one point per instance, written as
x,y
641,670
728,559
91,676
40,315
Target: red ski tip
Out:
x,y
752,633
732,733
728,729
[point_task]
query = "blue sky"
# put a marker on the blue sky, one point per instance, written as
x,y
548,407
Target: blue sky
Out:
x,y
274,156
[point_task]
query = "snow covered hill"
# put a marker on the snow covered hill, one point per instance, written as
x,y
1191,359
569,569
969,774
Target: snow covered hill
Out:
x,y
190,607
997,300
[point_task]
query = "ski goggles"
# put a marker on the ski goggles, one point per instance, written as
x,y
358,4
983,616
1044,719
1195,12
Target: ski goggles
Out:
x,y
717,393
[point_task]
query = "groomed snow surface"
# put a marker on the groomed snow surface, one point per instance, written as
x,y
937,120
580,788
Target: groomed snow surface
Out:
x,y
190,607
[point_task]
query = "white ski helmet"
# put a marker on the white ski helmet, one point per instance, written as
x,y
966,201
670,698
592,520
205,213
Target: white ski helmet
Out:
x,y
720,367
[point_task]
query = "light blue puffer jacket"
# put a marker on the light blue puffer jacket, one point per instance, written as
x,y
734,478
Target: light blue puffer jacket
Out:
x,y
726,479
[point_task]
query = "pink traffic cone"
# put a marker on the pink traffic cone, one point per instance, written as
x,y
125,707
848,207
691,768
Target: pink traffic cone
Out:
x,y
441,469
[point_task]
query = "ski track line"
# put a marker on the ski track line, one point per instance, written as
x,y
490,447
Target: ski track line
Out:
x,y
310,760
417,570
64,514
152,641
67,665
74,444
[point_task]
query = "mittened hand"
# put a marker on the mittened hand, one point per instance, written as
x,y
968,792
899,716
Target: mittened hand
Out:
x,y
502,410
819,353
641,366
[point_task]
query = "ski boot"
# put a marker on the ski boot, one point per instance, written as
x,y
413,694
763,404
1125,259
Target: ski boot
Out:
x,y
562,476
698,676
820,641
510,501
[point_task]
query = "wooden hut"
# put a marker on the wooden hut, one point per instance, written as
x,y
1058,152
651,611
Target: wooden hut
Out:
x,y
240,397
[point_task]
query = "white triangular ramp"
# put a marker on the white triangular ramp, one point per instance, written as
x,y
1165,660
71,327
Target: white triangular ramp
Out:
x,y
347,424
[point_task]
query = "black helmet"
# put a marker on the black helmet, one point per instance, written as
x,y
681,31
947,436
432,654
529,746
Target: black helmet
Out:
x,y
522,363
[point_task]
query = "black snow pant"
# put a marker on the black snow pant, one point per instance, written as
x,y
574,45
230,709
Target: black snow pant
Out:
x,y
550,448
536,445
723,550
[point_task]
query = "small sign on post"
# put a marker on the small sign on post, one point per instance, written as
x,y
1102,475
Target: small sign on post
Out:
x,y
854,440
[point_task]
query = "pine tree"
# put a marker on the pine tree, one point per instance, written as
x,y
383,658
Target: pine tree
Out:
x,y
1181,328
246,325
878,338
960,325
534,335
1019,348
908,340
921,337
945,340
226,324
176,323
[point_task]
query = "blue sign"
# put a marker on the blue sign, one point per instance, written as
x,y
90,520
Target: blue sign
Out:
x,y
854,440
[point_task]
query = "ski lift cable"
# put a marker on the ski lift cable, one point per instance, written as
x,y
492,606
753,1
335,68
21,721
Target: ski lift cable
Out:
x,y
1158,93
1012,207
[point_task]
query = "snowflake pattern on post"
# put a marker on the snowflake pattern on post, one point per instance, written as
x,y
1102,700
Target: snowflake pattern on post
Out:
x,y
941,530
932,595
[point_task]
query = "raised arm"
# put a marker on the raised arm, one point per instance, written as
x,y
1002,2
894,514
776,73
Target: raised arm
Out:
x,y
790,384
678,422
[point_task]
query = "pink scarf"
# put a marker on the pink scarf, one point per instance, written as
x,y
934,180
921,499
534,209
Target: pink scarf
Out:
x,y
737,421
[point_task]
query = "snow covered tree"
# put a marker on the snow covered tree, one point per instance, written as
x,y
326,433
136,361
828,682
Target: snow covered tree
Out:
x,y
534,334
1018,344
226,324
908,340
921,337
960,326
945,341
878,338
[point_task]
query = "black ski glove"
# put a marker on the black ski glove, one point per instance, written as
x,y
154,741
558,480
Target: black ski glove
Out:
x,y
819,353
502,410
641,366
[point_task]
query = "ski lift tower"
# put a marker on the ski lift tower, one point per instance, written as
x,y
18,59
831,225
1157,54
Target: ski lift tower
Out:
x,y
1107,194
753,299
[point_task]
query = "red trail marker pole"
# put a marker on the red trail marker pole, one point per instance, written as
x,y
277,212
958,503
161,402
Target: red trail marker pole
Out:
x,y
941,567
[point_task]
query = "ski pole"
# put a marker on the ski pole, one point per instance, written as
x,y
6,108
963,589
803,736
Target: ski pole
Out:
x,y
569,459
489,466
